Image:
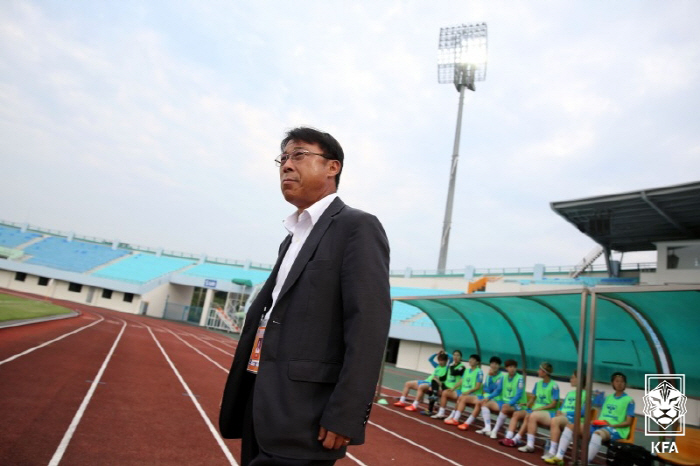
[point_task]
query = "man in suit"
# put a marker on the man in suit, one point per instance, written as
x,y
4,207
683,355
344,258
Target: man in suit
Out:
x,y
302,381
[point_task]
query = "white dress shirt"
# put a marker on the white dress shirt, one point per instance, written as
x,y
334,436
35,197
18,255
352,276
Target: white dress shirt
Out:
x,y
299,226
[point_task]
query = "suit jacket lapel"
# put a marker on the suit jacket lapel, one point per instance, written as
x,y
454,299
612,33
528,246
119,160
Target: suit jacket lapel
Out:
x,y
266,291
310,244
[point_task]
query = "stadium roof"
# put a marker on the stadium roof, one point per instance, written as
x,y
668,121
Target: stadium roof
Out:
x,y
635,221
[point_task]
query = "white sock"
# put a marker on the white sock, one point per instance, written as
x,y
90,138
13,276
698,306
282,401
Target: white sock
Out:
x,y
456,415
486,414
441,412
531,440
415,403
500,421
470,419
403,399
594,446
553,447
516,439
509,434
564,442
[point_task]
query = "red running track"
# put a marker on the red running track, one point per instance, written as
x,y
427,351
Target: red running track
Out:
x,y
125,389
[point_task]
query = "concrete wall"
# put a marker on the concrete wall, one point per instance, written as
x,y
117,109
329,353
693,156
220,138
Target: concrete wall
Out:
x,y
687,271
414,355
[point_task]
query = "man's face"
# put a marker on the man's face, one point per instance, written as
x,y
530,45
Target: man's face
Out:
x,y
511,370
495,367
457,357
308,180
573,380
473,362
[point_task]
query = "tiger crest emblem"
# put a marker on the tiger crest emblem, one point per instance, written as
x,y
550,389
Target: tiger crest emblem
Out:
x,y
665,404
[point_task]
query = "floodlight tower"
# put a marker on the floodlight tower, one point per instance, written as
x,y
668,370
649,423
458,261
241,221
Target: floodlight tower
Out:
x,y
461,61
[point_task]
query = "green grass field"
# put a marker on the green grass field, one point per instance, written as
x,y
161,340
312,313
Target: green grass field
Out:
x,y
15,308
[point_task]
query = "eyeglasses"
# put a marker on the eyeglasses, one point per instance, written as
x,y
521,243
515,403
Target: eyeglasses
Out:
x,y
297,156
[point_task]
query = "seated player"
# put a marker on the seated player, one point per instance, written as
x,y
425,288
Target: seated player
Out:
x,y
513,395
471,389
453,382
540,410
613,422
423,386
566,415
491,394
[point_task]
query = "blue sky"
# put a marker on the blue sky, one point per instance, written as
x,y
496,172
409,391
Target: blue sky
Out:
x,y
156,123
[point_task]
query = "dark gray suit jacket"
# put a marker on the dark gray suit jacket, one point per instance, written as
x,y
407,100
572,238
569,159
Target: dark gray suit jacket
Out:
x,y
324,342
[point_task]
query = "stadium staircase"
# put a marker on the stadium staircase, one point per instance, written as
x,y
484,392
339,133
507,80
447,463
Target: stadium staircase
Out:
x,y
595,253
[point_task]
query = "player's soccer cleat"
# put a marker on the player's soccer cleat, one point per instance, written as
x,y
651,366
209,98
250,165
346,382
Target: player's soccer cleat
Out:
x,y
508,442
494,434
526,449
439,416
400,404
485,431
555,460
547,456
464,426
427,413
452,422
411,408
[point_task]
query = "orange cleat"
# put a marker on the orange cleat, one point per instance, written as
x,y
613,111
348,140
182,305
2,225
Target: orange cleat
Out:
x,y
400,404
464,426
451,422
411,408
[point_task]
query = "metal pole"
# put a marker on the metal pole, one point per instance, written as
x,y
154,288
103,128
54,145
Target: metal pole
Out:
x,y
447,224
579,374
586,430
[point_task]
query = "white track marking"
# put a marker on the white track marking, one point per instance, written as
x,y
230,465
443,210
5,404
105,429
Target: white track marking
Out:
x,y
12,358
213,430
456,435
206,342
355,459
58,454
413,443
204,355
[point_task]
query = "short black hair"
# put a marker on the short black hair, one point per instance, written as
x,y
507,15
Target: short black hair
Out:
x,y
328,144
511,362
495,359
475,356
442,357
624,377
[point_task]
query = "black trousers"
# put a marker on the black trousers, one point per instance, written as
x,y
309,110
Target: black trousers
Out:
x,y
251,455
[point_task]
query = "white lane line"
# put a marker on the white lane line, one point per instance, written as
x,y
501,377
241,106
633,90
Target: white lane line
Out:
x,y
58,454
12,358
355,459
414,443
204,355
395,411
213,430
206,342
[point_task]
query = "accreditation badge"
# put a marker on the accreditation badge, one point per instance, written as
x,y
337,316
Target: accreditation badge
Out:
x,y
254,361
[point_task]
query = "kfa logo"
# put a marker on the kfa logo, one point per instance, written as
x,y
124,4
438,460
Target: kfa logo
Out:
x,y
664,408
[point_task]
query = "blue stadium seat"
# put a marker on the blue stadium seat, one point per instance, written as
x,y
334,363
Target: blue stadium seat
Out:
x,y
11,237
73,256
142,268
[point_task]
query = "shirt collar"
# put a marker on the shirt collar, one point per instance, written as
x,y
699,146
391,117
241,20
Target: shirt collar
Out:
x,y
314,212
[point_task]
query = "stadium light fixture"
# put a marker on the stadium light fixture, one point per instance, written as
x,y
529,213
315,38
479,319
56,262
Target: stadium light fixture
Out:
x,y
462,54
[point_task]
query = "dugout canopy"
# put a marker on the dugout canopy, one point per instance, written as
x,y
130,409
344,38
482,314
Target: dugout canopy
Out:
x,y
637,331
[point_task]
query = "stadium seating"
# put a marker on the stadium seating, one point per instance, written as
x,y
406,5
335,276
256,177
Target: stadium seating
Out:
x,y
142,268
11,237
73,256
